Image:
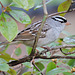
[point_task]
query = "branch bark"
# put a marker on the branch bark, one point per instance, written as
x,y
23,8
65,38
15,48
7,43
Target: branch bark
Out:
x,y
16,62
54,57
29,58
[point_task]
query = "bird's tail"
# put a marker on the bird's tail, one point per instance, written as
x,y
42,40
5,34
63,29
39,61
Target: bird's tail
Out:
x,y
10,43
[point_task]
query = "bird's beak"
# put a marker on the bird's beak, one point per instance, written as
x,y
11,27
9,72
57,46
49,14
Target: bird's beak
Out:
x,y
67,23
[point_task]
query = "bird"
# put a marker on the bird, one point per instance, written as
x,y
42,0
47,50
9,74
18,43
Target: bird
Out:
x,y
51,30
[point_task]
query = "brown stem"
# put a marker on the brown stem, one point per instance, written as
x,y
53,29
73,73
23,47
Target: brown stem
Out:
x,y
37,68
54,57
61,12
16,62
39,32
2,6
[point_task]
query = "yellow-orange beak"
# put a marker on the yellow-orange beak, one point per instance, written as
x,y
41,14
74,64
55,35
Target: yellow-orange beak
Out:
x,y
67,23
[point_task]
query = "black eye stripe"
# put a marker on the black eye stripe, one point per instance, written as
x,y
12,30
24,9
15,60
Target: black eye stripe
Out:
x,y
60,19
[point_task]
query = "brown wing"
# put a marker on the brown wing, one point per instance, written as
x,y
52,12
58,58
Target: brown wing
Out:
x,y
30,32
26,35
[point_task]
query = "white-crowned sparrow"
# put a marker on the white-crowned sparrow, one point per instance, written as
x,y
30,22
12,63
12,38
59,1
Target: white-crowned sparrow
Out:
x,y
50,32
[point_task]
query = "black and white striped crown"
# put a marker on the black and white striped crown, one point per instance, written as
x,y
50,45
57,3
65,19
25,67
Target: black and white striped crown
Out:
x,y
59,19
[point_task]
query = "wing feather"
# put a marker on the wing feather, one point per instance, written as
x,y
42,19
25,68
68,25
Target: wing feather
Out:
x,y
31,31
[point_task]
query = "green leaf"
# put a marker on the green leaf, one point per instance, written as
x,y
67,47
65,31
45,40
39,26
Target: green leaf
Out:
x,y
67,73
20,16
50,66
2,61
66,33
8,27
28,49
6,56
70,39
39,65
6,47
27,73
8,9
64,6
27,64
56,71
4,67
13,4
18,51
37,2
71,62
25,4
5,2
12,72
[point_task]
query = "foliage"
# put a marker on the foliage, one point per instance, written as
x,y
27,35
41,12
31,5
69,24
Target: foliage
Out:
x,y
9,30
18,51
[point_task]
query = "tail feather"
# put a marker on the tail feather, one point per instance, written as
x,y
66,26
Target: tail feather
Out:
x,y
11,43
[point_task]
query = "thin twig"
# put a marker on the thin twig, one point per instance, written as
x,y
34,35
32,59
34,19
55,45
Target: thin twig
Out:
x,y
37,68
54,57
13,53
2,6
39,32
57,47
44,7
61,12
67,53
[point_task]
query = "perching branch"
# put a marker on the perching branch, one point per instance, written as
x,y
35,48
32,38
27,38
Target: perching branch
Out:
x,y
29,58
39,32
58,57
16,62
